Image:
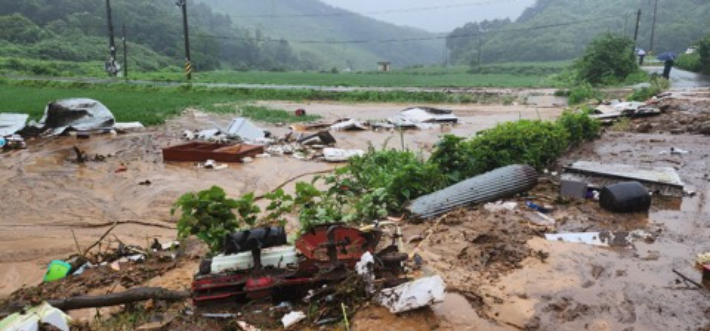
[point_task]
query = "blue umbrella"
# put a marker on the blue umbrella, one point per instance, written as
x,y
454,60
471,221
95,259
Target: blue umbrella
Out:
x,y
667,56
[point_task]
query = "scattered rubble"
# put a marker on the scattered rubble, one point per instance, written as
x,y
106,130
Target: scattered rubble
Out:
x,y
664,180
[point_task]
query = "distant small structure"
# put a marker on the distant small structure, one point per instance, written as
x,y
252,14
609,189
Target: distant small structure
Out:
x,y
690,50
384,66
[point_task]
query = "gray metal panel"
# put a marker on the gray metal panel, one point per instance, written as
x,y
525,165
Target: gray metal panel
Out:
x,y
245,129
491,186
11,123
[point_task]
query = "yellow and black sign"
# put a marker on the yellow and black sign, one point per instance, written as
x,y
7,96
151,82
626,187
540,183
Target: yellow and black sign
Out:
x,y
188,69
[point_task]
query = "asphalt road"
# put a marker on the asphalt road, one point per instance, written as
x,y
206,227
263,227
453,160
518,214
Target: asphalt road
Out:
x,y
683,79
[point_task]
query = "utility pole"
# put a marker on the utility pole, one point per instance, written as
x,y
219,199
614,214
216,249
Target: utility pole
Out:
x,y
653,27
125,53
188,65
111,64
480,43
636,34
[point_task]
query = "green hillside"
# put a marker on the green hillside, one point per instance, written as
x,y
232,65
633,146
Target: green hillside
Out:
x,y
58,37
311,20
554,30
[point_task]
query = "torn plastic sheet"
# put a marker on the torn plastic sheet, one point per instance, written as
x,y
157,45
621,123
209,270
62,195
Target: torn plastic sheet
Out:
x,y
74,114
32,318
413,295
341,155
348,124
427,115
12,123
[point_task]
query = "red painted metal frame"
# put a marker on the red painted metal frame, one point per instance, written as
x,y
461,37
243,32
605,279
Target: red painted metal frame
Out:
x,y
201,152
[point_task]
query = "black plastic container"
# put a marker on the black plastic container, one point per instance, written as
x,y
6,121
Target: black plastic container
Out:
x,y
628,197
254,239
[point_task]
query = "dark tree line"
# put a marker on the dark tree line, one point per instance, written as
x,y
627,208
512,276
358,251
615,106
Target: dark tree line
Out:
x,y
76,30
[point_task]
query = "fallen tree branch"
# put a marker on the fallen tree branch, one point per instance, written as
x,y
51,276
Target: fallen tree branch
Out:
x,y
109,300
86,251
295,179
123,222
687,279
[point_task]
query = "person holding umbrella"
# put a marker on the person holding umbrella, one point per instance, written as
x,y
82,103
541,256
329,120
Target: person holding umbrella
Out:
x,y
668,58
642,54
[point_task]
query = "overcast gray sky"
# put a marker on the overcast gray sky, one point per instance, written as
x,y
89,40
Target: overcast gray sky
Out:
x,y
435,19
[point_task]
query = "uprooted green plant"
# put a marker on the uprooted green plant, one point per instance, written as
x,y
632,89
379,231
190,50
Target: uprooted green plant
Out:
x,y
210,216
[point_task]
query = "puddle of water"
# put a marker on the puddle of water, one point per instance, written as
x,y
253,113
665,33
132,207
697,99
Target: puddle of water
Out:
x,y
457,314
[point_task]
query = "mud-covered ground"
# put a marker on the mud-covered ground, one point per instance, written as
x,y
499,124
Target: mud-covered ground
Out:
x,y
501,272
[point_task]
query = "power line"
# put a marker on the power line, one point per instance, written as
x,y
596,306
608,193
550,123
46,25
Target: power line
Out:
x,y
440,37
383,12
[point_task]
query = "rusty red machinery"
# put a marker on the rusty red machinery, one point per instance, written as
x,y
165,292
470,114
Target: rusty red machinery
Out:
x,y
328,253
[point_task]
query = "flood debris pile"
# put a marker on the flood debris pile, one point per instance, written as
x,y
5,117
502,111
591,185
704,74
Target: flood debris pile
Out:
x,y
106,264
670,112
79,118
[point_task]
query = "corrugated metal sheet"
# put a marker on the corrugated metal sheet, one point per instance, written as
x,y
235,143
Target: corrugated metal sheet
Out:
x,y
497,184
245,129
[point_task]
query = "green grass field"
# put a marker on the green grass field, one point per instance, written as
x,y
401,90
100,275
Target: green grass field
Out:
x,y
503,75
493,75
151,105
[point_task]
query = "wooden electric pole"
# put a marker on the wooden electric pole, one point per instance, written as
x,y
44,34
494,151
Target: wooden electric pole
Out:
x,y
480,43
636,34
188,65
125,53
111,64
653,27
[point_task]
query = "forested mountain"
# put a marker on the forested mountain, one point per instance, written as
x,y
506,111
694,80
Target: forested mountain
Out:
x,y
76,30
560,29
313,26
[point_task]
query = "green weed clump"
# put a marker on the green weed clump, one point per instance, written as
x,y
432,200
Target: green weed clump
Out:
x,y
582,93
536,143
580,126
402,174
658,85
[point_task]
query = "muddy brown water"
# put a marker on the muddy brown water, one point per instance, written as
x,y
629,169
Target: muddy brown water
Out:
x,y
577,287
45,195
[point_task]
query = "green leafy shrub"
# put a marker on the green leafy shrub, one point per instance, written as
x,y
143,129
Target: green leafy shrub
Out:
x,y
403,175
210,216
658,85
582,93
536,143
690,62
704,53
453,159
607,60
580,126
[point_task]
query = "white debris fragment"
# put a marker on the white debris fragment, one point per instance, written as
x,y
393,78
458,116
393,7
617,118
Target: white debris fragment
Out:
x,y
244,326
416,294
500,206
349,124
341,155
188,135
32,318
292,319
